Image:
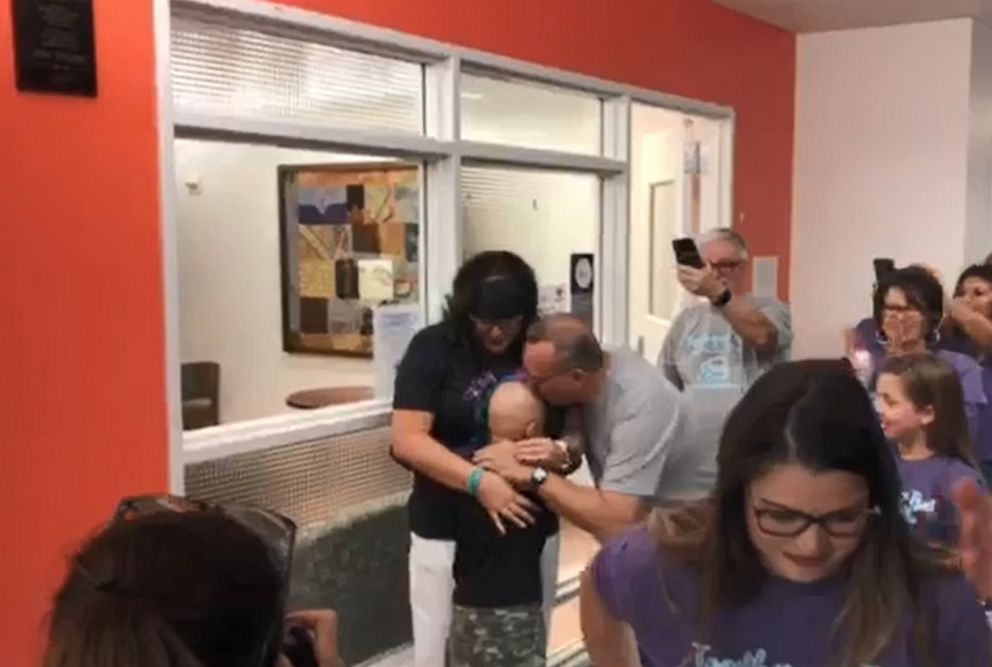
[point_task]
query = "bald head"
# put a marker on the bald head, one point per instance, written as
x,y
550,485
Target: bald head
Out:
x,y
515,413
575,346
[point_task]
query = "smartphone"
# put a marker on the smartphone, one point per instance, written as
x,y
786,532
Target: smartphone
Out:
x,y
298,648
687,254
883,267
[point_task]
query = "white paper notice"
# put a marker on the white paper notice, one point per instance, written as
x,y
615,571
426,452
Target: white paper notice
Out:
x,y
552,299
393,327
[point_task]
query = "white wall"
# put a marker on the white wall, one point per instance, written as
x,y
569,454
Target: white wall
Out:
x,y
882,167
230,303
978,232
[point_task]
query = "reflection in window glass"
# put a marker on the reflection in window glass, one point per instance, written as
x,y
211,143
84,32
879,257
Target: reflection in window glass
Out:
x,y
238,71
280,287
528,115
543,216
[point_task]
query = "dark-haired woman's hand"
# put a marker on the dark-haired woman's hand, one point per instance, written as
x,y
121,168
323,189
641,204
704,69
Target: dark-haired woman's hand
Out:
x,y
504,503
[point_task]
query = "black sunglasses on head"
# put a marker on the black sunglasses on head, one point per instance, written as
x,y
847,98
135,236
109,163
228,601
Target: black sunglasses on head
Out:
x,y
276,531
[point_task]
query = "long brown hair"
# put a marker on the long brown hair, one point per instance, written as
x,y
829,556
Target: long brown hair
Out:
x,y
931,382
818,415
169,590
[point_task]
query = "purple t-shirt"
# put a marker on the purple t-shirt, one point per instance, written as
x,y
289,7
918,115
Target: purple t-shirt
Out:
x,y
982,428
787,625
926,495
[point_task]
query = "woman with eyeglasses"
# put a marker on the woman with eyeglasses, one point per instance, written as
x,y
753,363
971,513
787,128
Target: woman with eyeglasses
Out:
x,y
800,557
171,583
447,370
908,316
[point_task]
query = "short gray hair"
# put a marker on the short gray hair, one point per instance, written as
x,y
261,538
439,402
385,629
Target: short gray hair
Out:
x,y
724,234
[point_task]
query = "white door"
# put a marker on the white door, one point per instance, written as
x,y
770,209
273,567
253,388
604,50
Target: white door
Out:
x,y
679,187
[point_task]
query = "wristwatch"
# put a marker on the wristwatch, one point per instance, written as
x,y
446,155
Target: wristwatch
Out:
x,y
723,299
538,478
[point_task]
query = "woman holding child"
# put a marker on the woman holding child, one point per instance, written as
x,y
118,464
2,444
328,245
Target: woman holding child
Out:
x,y
440,417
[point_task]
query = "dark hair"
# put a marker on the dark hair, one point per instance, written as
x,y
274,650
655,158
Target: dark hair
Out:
x,y
487,266
931,382
576,347
819,416
923,292
982,272
169,590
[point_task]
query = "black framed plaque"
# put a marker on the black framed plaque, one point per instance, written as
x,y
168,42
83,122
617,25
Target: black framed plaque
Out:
x,y
55,46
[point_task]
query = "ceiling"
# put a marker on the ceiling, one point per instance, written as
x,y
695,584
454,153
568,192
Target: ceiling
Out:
x,y
821,15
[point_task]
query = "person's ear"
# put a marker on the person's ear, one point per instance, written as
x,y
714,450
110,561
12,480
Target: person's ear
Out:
x,y
927,415
531,430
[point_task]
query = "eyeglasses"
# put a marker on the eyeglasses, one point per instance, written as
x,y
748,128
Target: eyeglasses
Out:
x,y
503,325
276,531
535,382
723,267
781,522
899,311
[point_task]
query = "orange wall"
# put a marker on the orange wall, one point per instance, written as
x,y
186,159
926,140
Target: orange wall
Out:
x,y
692,48
81,345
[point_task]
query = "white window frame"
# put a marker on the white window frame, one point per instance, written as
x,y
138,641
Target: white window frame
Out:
x,y
440,149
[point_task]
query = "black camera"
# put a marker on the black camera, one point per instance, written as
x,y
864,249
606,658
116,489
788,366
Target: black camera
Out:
x,y
298,648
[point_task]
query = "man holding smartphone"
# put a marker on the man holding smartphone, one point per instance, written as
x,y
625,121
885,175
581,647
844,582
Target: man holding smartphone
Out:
x,y
715,350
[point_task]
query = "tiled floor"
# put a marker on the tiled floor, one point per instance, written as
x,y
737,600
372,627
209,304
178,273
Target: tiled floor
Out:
x,y
577,549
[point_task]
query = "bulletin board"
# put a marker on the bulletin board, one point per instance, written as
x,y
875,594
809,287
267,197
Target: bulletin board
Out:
x,y
350,239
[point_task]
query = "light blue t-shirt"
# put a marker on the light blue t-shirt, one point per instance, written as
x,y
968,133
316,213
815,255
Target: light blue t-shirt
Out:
x,y
713,366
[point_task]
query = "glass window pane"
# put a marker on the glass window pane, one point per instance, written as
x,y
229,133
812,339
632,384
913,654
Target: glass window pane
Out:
x,y
529,115
288,259
244,72
545,217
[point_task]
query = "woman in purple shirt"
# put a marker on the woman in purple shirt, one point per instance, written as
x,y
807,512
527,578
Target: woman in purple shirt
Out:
x,y
908,314
970,333
800,558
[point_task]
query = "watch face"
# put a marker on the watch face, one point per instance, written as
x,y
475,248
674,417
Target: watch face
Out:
x,y
539,476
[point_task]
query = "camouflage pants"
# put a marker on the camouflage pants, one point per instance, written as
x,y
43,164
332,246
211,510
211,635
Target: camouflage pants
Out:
x,y
501,637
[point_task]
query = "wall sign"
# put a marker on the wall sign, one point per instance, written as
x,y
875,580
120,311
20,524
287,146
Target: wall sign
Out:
x,y
582,286
54,47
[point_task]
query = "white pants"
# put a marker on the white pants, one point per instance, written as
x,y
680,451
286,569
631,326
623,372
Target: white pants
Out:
x,y
432,586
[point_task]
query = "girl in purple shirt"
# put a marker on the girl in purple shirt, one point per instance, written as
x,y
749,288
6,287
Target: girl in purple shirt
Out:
x,y
922,411
800,557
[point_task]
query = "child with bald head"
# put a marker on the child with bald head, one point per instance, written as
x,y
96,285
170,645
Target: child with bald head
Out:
x,y
498,618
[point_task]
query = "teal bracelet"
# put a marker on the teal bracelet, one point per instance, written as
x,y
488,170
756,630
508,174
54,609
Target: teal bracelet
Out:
x,y
474,481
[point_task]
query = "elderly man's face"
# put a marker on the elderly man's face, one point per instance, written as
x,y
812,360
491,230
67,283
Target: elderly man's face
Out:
x,y
548,380
726,260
